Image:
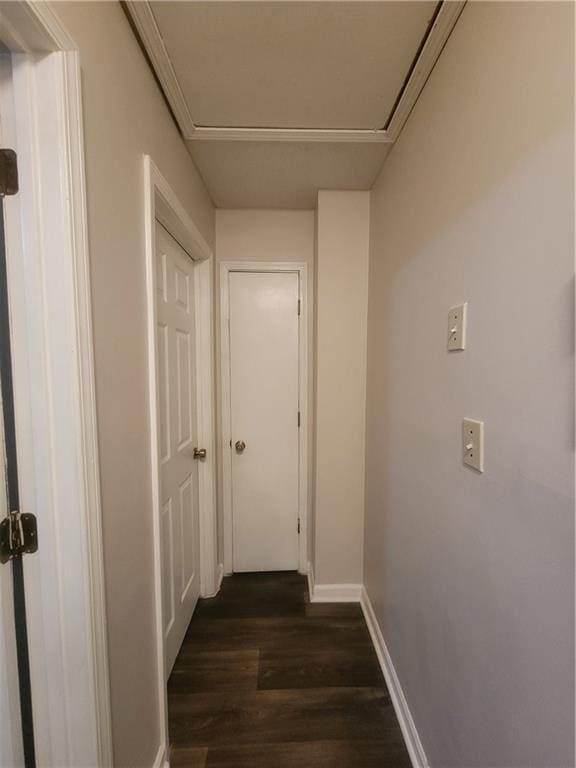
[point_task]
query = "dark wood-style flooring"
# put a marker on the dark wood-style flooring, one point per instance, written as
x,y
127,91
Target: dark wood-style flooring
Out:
x,y
266,679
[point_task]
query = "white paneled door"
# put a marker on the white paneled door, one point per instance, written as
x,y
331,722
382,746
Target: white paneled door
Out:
x,y
264,376
177,439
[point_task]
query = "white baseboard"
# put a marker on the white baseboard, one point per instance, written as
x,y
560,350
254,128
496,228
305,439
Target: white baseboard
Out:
x,y
336,593
310,581
332,593
219,577
161,759
413,743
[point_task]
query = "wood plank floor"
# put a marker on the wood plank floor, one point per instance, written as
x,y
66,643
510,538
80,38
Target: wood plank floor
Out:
x,y
266,679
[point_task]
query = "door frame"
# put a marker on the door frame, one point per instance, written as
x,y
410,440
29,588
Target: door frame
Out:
x,y
55,399
226,267
162,204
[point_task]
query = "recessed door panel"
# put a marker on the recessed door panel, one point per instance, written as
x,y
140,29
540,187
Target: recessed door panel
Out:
x,y
163,404
188,505
183,373
167,528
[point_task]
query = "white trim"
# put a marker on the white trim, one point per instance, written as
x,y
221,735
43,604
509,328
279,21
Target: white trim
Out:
x,y
143,18
48,256
54,368
407,725
74,128
334,135
161,203
219,577
336,593
310,581
441,30
161,759
30,27
264,266
206,428
172,214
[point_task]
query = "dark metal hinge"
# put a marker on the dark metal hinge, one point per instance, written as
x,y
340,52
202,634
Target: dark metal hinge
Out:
x,y
18,535
8,172
298,525
298,419
299,307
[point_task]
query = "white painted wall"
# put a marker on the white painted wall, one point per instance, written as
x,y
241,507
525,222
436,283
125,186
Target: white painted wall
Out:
x,y
340,386
263,235
125,118
472,576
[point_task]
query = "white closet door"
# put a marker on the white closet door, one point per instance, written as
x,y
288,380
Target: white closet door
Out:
x,y
177,439
264,414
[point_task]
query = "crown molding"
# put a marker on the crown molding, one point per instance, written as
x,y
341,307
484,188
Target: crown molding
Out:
x,y
446,18
33,27
360,136
145,24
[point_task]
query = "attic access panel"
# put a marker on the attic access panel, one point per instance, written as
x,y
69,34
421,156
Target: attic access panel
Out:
x,y
300,64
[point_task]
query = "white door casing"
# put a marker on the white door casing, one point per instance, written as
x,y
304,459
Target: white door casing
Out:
x,y
226,445
177,436
264,409
161,204
54,388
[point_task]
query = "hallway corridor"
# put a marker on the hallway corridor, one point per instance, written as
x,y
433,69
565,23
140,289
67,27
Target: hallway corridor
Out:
x,y
267,679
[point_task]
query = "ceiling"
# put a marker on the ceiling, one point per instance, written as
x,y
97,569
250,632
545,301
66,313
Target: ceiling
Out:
x,y
313,86
292,64
249,174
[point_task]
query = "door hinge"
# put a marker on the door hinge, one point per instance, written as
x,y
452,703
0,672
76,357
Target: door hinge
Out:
x,y
299,307
8,172
298,525
298,419
18,535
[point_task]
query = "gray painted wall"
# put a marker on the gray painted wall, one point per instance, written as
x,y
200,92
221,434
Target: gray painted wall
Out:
x,y
472,576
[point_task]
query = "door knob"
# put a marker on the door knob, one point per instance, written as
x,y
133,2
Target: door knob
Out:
x,y
199,453
240,445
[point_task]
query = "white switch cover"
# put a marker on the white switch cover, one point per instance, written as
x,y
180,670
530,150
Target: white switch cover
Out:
x,y
473,443
457,327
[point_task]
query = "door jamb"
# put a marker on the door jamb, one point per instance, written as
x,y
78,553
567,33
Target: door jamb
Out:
x,y
264,266
162,204
54,381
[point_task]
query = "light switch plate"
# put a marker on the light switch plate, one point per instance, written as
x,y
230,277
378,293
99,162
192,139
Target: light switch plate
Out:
x,y
473,443
457,327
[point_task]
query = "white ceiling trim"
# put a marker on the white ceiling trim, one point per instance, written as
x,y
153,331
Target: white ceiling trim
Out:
x,y
145,23
44,30
143,18
204,133
442,27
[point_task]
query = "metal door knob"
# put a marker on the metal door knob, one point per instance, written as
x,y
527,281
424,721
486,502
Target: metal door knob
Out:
x,y
199,453
240,445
